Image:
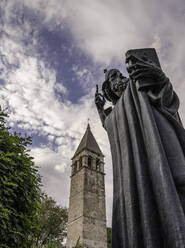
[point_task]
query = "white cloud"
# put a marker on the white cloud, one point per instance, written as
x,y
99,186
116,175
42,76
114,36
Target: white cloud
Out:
x,y
104,31
30,94
59,167
58,160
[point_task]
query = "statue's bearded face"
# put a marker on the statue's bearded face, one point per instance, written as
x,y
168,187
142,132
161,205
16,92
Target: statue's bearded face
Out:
x,y
115,79
114,85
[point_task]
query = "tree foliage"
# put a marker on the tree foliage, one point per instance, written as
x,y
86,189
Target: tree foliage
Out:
x,y
52,224
19,188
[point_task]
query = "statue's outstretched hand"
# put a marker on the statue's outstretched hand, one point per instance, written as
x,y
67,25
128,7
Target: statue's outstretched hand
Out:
x,y
99,99
145,70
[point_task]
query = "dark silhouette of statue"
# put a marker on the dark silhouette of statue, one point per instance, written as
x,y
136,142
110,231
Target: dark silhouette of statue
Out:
x,y
147,143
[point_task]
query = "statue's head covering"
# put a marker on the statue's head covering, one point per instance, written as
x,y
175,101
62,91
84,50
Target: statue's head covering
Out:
x,y
107,92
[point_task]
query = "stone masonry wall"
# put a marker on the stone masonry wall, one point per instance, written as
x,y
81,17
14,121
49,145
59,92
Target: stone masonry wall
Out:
x,y
75,216
87,212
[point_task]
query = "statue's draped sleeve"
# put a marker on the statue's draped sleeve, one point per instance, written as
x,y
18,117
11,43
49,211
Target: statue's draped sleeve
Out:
x,y
147,143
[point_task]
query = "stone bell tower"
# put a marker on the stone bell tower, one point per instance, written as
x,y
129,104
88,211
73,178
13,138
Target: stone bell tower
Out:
x,y
87,215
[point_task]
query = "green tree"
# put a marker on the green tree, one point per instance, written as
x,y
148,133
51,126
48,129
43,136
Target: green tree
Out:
x,y
109,237
52,224
52,244
19,188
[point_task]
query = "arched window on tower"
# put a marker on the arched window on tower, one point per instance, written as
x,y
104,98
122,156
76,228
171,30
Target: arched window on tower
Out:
x,y
75,167
89,162
97,164
80,162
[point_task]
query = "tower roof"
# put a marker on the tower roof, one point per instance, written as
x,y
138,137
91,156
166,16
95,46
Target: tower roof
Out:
x,y
88,142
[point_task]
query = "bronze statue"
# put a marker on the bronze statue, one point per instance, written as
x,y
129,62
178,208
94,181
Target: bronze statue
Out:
x,y
147,143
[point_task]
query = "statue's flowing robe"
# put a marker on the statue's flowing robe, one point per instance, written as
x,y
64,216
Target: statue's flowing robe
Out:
x,y
147,143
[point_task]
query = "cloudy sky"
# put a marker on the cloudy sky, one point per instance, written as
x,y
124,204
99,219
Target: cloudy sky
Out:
x,y
52,54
